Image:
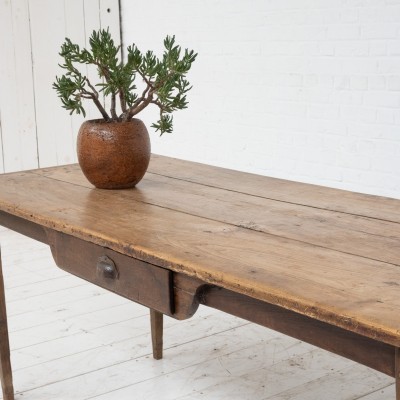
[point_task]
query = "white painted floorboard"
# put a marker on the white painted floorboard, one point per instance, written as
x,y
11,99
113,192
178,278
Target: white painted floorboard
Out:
x,y
72,340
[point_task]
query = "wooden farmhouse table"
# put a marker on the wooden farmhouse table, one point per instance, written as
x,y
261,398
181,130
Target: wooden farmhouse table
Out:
x,y
319,264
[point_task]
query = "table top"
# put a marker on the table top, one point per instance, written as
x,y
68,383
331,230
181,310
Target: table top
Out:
x,y
330,254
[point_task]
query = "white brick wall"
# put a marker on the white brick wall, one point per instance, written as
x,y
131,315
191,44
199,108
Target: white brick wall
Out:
x,y
306,90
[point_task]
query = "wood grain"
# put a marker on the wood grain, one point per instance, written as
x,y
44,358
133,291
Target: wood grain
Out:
x,y
156,323
18,129
397,372
27,228
29,107
5,364
136,280
346,290
199,350
279,189
348,233
371,353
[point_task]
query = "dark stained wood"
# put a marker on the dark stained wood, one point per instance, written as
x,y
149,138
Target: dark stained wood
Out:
x,y
187,295
21,225
369,352
156,322
397,376
136,280
5,364
277,270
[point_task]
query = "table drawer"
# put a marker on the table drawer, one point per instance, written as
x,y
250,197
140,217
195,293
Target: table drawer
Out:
x,y
136,280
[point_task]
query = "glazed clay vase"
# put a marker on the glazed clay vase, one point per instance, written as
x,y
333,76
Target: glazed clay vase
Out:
x,y
113,155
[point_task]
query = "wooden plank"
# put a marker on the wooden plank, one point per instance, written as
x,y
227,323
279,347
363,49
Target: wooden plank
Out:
x,y
362,236
64,282
95,302
25,106
92,22
16,97
5,364
120,317
75,30
397,372
33,124
55,139
351,382
279,189
128,362
129,338
22,307
386,393
284,272
231,376
1,147
8,94
109,19
24,278
285,381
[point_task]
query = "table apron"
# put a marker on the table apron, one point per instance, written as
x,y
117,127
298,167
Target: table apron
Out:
x,y
372,353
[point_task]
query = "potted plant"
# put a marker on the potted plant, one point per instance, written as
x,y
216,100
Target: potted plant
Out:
x,y
114,151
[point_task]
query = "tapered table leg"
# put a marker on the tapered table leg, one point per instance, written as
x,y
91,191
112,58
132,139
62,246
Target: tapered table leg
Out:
x,y
5,364
397,372
156,319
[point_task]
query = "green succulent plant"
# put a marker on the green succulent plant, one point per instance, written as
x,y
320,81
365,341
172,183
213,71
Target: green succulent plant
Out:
x,y
164,79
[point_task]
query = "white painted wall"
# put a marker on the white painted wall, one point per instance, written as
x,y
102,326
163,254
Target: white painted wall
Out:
x,y
34,130
300,89
307,90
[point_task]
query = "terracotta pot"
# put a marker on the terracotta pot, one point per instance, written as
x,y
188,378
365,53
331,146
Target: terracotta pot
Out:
x,y
113,155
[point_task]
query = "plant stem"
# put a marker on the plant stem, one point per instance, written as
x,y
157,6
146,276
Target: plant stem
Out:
x,y
112,108
158,103
148,82
101,108
129,113
95,97
122,100
135,110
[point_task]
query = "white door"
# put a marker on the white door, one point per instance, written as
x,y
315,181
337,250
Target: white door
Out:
x,y
34,130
